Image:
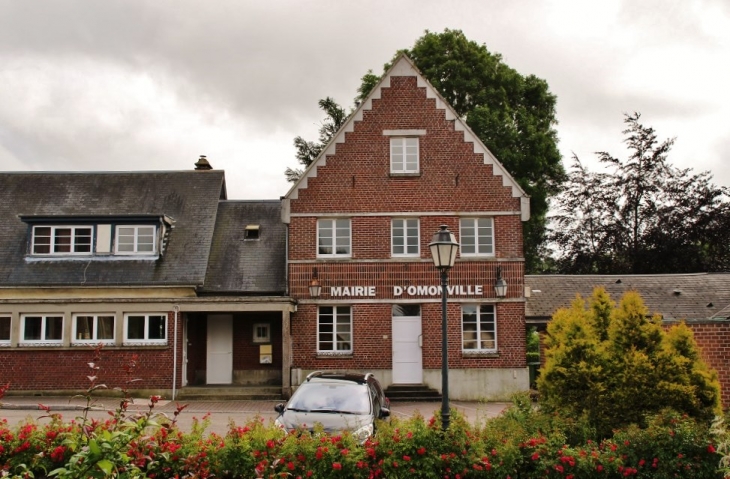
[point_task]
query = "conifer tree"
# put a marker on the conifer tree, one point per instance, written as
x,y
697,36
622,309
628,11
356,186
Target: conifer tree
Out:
x,y
614,365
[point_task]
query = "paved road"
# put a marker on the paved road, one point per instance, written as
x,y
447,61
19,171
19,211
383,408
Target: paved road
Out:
x,y
16,409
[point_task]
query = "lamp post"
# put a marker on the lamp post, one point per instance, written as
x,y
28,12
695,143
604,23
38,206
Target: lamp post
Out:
x,y
443,251
315,287
500,287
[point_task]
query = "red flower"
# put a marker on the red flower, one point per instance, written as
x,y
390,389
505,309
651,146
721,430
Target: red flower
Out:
x,y
535,457
58,454
290,465
336,465
711,449
406,458
421,451
599,468
270,444
344,452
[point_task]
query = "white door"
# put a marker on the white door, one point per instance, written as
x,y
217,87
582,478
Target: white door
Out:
x,y
407,345
220,349
185,351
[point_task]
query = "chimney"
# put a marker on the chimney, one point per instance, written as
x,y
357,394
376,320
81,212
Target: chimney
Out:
x,y
202,164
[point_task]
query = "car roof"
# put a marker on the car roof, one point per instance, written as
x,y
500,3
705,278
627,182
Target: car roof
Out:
x,y
359,378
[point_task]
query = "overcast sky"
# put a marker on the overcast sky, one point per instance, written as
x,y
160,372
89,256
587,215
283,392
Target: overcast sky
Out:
x,y
138,85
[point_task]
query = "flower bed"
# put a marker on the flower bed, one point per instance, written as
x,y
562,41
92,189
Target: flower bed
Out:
x,y
519,444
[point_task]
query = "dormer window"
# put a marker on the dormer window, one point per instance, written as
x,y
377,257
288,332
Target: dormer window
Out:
x,y
62,240
251,232
135,239
78,238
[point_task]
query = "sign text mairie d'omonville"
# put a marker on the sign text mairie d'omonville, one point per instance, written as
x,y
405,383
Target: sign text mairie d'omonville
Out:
x,y
411,290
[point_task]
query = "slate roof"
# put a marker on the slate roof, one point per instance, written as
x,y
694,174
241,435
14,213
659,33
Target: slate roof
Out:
x,y
697,296
243,266
190,198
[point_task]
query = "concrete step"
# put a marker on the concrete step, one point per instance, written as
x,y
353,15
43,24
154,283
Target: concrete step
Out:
x,y
411,392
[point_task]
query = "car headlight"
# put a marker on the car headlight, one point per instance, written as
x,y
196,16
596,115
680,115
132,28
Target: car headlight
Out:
x,y
363,433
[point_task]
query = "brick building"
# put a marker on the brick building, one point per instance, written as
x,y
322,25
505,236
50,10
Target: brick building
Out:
x,y
360,220
156,266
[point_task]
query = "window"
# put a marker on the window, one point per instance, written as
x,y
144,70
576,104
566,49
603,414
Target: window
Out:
x,y
145,328
406,310
334,329
62,240
5,330
93,328
43,329
404,155
262,333
405,239
333,237
479,328
477,237
251,232
135,240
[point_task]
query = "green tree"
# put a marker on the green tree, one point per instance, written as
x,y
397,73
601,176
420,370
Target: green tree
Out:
x,y
641,215
512,114
308,151
614,365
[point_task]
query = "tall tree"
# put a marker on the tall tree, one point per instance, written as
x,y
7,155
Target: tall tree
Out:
x,y
641,215
513,115
308,151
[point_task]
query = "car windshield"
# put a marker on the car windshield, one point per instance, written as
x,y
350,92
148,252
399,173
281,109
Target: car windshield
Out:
x,y
335,397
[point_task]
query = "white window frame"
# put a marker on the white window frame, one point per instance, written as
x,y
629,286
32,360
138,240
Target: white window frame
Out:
x,y
71,245
403,228
479,241
135,250
481,327
336,349
95,338
146,340
262,339
9,319
332,222
44,320
399,162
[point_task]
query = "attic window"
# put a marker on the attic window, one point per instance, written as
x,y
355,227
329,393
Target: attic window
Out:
x,y
251,232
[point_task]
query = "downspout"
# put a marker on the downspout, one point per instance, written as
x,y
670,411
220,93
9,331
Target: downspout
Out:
x,y
176,309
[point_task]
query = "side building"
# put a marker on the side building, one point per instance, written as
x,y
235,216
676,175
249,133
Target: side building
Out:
x,y
360,219
158,267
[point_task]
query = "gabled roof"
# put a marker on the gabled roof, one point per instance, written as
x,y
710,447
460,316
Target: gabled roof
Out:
x,y
674,296
403,66
247,266
188,198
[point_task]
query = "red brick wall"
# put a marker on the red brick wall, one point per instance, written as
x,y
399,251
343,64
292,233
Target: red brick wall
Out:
x,y
245,351
713,338
371,236
67,368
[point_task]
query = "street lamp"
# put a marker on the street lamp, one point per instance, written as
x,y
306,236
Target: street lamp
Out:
x,y
314,286
500,287
443,251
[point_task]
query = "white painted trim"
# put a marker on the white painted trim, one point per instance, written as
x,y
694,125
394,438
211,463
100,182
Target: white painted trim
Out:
x,y
417,254
334,255
146,341
407,214
477,243
93,341
404,132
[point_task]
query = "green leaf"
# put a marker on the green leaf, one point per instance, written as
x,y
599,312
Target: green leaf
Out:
x,y
106,466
